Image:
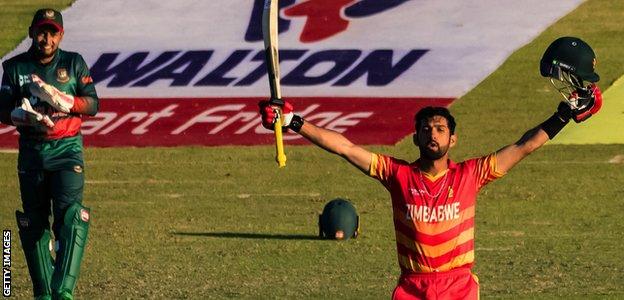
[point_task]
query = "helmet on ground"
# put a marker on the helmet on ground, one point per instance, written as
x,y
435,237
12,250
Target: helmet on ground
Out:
x,y
568,62
339,220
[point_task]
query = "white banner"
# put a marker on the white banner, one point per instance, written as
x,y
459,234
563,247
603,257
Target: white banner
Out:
x,y
329,48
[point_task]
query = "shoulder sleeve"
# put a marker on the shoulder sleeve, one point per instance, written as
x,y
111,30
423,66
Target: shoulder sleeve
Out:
x,y
85,85
86,101
382,168
484,169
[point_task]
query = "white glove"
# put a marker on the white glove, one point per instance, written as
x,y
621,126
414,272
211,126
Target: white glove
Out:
x,y
25,115
57,99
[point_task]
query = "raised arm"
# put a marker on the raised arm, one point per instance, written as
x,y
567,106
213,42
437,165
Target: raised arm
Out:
x,y
337,143
329,140
510,155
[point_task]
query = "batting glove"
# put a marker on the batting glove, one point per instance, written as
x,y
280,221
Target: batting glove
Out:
x,y
581,104
48,93
25,115
269,114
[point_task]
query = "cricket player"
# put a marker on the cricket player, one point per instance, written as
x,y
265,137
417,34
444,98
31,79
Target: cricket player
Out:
x,y
44,92
433,198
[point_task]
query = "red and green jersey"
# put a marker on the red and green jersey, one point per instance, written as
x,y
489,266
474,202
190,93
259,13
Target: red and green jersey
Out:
x,y
434,217
68,72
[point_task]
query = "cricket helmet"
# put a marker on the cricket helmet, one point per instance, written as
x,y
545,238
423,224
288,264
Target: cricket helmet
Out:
x,y
339,220
568,62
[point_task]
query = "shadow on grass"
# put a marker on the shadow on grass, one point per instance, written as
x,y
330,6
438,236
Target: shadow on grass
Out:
x,y
244,235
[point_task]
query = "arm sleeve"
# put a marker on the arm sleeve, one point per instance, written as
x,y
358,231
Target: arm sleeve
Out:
x,y
7,99
86,100
485,170
382,168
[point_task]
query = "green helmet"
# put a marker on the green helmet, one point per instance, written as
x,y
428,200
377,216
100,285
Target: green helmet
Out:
x,y
570,61
339,220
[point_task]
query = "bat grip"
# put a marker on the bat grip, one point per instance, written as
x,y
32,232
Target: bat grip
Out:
x,y
278,102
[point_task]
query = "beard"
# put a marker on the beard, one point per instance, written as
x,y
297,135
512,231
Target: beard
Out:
x,y
46,53
432,154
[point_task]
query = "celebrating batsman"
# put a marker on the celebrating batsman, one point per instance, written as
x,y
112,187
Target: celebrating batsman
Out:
x,y
433,198
44,93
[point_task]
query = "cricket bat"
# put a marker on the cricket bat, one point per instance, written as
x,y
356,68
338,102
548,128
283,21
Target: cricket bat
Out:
x,y
269,33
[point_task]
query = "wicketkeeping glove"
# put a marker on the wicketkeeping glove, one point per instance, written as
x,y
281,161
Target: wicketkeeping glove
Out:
x,y
48,93
25,115
581,104
269,114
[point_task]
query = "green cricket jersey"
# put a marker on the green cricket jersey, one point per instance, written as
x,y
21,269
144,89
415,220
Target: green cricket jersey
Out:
x,y
68,72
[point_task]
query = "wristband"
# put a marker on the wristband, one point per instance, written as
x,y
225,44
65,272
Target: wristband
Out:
x,y
296,123
553,125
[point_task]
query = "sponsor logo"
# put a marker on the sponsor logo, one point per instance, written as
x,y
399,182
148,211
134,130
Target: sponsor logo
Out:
x,y
323,18
235,121
23,79
61,75
84,215
378,67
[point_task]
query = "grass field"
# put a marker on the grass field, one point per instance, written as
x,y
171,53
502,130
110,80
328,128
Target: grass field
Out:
x,y
224,222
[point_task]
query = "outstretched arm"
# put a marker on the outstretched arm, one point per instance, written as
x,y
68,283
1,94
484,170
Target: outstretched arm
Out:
x,y
329,140
510,155
337,143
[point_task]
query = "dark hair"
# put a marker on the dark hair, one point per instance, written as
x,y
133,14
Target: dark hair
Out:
x,y
428,112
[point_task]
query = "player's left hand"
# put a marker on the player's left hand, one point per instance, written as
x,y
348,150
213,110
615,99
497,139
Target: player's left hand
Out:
x,y
269,114
583,103
48,93
25,115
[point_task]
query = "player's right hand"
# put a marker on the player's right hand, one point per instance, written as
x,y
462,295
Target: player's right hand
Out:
x,y
581,104
269,114
25,115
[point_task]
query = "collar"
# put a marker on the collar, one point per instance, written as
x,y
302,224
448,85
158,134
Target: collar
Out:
x,y
451,166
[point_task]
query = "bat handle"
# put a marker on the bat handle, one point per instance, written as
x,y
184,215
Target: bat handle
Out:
x,y
279,142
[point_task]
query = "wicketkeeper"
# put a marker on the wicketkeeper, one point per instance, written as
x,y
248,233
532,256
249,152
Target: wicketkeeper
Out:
x,y
433,198
44,92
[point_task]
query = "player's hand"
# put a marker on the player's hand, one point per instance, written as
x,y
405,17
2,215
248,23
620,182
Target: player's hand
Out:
x,y
269,114
581,104
48,93
25,115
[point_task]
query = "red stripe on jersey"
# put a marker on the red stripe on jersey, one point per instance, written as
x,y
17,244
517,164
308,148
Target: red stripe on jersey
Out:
x,y
64,127
436,239
436,262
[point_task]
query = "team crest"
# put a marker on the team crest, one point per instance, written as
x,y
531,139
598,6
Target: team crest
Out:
x,y
49,14
61,75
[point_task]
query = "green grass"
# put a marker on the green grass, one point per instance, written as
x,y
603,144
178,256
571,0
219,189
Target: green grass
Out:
x,y
224,222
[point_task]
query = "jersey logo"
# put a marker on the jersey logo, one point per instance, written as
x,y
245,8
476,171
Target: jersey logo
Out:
x,y
61,75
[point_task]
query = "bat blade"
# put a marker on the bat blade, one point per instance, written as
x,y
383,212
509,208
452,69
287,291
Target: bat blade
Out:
x,y
270,33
